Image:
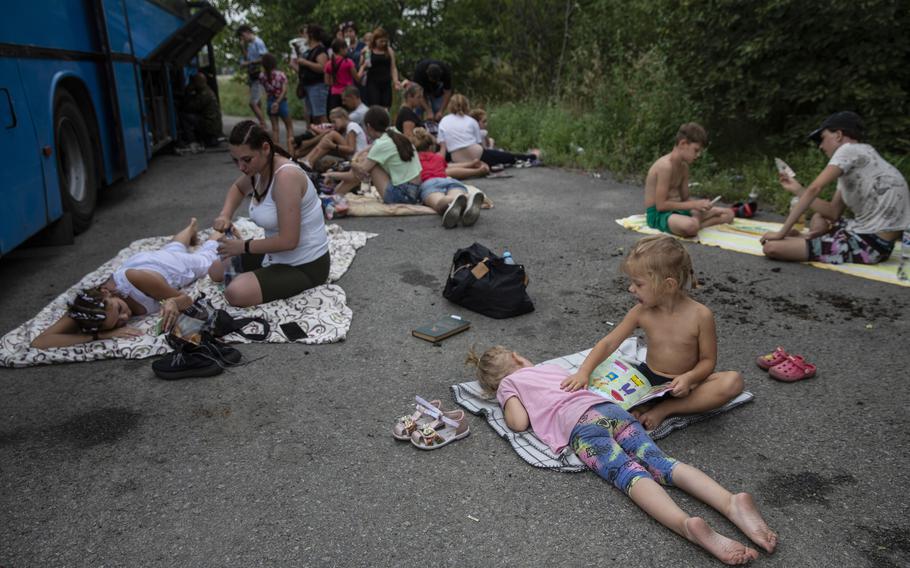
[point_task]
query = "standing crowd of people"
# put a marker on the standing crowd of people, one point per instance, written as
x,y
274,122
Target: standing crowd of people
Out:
x,y
346,84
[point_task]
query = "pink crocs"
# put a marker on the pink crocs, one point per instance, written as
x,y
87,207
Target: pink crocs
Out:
x,y
793,369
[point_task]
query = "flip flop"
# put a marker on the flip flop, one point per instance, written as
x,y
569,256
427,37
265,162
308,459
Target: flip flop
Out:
x,y
450,427
424,414
795,368
776,357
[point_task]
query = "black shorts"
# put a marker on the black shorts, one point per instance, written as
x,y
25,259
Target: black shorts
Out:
x,y
652,377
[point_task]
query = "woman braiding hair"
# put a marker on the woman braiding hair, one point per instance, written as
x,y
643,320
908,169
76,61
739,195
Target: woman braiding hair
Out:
x,y
294,255
392,161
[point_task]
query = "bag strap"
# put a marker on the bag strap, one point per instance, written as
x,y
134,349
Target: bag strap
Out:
x,y
241,323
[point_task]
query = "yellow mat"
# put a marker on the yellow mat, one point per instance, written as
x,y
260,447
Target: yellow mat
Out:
x,y
743,235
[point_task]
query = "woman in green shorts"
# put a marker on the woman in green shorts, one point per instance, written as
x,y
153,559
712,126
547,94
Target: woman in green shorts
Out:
x,y
294,255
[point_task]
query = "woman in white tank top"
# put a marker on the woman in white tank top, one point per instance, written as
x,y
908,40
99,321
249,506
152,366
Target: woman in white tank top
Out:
x,y
294,255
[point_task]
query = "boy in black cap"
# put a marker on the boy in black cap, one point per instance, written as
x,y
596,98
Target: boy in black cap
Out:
x,y
871,187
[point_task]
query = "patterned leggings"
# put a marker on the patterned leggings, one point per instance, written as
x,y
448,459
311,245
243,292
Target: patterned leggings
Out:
x,y
613,443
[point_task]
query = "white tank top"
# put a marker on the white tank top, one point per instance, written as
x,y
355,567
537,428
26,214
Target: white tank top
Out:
x,y
313,241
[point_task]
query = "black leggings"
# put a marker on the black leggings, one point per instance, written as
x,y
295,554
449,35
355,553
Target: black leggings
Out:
x,y
379,93
497,157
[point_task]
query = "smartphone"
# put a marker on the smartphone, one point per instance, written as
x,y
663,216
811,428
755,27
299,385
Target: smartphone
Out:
x,y
292,331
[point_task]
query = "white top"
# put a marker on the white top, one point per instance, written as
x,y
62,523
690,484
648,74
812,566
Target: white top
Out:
x,y
361,135
873,189
458,131
173,262
358,113
313,242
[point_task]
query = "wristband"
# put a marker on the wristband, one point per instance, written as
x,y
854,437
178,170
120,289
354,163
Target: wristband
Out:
x,y
246,246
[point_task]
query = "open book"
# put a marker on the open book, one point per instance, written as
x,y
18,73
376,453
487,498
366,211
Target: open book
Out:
x,y
621,383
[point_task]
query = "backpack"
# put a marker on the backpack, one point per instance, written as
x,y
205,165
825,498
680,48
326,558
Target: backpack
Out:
x,y
482,282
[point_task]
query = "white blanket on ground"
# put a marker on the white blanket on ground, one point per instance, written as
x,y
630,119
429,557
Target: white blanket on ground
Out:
x,y
322,311
531,449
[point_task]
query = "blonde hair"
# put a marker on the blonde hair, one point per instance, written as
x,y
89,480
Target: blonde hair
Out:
x,y
659,257
492,367
422,139
458,104
478,114
338,112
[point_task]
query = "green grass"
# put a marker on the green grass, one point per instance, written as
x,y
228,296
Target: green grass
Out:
x,y
234,94
577,139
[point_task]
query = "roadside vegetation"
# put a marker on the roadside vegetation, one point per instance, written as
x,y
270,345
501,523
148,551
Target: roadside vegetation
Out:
x,y
603,84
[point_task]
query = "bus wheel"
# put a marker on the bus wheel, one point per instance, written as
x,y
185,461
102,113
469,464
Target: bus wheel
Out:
x,y
75,161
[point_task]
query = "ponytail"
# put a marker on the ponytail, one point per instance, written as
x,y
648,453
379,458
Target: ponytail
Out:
x,y
378,119
249,133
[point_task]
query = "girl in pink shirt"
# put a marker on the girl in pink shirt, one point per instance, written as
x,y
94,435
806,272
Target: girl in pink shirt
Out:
x,y
613,443
339,73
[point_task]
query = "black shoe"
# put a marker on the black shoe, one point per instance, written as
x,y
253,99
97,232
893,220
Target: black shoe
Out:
x,y
221,351
181,365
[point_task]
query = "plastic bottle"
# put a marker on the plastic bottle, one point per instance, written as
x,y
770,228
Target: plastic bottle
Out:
x,y
507,257
231,270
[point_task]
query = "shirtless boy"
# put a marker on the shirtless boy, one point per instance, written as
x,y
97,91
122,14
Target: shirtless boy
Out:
x,y
667,201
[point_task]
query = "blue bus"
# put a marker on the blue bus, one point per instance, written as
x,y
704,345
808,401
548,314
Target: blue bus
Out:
x,y
87,96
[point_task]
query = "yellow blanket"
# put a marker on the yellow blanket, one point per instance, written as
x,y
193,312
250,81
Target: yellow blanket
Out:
x,y
743,235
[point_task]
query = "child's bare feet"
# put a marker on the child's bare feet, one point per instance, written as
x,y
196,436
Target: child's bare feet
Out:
x,y
193,228
724,549
744,514
651,417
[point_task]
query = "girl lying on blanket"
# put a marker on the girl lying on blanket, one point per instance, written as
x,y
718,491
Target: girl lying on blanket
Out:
x,y
613,443
144,284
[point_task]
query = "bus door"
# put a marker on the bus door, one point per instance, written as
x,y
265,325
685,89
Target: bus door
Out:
x,y
23,211
122,74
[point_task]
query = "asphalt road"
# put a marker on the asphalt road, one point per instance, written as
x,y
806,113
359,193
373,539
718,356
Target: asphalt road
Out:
x,y
288,461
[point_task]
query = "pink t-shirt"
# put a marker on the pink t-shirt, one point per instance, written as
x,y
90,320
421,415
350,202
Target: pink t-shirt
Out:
x,y
553,411
344,73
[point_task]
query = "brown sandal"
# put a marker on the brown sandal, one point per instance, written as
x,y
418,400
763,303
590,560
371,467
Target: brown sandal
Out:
x,y
450,426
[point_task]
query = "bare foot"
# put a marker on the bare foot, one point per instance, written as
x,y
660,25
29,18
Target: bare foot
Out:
x,y
652,417
744,514
724,549
193,229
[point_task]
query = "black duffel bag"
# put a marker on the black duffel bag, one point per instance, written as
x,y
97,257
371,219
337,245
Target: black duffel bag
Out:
x,y
482,282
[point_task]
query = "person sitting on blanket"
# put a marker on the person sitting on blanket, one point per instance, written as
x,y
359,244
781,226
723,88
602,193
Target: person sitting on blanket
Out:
x,y
872,188
344,140
680,332
446,195
667,203
294,255
613,443
145,283
392,163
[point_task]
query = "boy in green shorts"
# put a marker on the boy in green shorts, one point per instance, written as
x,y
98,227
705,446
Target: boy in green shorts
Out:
x,y
669,208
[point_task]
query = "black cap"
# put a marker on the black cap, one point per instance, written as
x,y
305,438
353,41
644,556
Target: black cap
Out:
x,y
849,122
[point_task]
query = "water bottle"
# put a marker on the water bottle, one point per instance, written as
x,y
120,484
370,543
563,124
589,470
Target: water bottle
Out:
x,y
233,267
902,270
507,257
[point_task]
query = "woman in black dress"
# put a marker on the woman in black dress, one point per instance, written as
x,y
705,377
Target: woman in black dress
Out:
x,y
382,72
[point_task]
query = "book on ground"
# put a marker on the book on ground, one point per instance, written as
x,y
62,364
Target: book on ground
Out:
x,y
621,383
441,329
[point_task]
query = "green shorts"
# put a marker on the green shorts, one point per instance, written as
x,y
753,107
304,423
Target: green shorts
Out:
x,y
659,219
278,281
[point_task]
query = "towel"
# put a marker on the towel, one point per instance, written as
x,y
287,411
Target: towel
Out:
x,y
471,397
321,311
743,236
